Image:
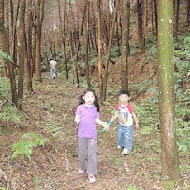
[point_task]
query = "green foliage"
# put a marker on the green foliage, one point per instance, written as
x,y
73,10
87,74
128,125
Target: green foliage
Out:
x,y
5,56
182,61
143,86
146,130
5,87
56,129
132,187
134,49
2,188
10,114
153,53
115,51
29,141
37,182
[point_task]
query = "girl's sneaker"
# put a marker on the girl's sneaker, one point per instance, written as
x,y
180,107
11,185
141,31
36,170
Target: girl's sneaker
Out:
x,y
81,171
91,178
125,151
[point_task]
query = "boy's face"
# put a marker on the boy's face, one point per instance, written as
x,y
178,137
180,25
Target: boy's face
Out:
x,y
124,98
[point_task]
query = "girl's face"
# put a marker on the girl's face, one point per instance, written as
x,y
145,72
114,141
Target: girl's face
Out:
x,y
89,98
124,98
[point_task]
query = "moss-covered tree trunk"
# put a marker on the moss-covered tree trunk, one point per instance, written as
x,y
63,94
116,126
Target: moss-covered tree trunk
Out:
x,y
170,162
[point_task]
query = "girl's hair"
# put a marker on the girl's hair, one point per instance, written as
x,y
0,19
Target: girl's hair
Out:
x,y
81,101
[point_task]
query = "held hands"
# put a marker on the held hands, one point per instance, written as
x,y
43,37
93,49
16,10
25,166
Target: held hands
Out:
x,y
106,126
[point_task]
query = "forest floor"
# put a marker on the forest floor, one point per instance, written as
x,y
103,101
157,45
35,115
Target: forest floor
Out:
x,y
50,112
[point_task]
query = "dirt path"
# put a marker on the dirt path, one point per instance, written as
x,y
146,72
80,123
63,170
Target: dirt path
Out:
x,y
50,111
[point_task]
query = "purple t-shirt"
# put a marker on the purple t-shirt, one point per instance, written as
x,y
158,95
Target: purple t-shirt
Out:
x,y
87,124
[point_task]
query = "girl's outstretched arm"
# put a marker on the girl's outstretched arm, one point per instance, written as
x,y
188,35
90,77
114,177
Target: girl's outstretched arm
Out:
x,y
104,124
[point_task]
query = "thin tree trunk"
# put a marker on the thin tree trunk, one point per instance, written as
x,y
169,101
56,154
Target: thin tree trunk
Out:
x,y
170,161
176,19
125,42
100,77
188,12
5,47
22,51
28,50
86,43
65,56
108,53
140,26
156,16
38,31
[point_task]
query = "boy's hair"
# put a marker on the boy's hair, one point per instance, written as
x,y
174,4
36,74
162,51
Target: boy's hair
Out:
x,y
123,92
81,101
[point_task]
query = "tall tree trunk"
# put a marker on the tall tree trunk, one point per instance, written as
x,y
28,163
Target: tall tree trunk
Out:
x,y
156,16
140,26
176,19
188,12
65,55
14,27
5,47
22,51
28,49
86,42
100,77
108,53
125,42
170,162
38,31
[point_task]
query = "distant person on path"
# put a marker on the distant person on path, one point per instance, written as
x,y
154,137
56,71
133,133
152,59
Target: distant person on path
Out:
x,y
125,114
87,115
53,64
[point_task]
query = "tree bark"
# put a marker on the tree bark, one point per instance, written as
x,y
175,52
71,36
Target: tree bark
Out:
x,y
28,49
5,47
176,19
100,77
125,42
38,29
170,162
140,26
188,12
22,51
108,53
86,43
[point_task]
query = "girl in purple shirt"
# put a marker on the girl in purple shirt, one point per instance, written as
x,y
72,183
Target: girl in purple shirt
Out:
x,y
87,116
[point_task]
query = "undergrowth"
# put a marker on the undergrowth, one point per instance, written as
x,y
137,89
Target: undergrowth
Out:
x,y
25,146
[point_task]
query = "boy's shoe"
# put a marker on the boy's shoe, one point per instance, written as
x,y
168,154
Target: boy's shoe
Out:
x,y
91,178
118,147
125,151
81,171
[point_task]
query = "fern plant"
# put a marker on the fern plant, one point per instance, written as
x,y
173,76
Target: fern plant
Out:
x,y
10,114
5,56
25,146
5,87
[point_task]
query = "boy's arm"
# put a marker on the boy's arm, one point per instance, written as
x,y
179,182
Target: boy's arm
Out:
x,y
136,120
115,115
